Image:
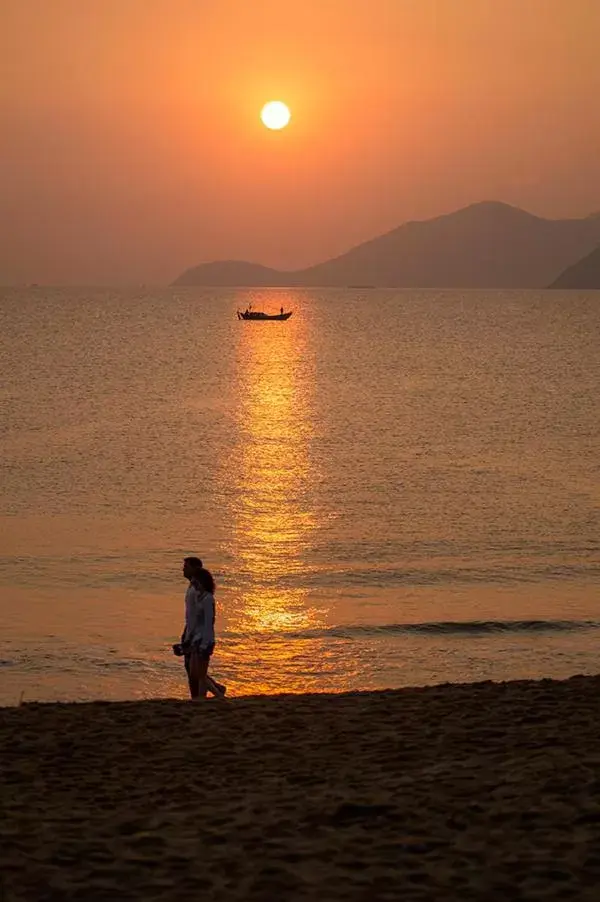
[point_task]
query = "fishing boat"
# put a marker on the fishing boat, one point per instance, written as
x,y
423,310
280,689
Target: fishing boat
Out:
x,y
259,315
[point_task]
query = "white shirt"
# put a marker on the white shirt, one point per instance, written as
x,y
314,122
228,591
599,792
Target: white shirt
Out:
x,y
199,617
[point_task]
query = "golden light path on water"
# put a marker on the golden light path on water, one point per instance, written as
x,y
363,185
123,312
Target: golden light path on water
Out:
x,y
273,512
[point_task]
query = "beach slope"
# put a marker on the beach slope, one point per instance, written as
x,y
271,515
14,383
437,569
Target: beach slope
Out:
x,y
484,791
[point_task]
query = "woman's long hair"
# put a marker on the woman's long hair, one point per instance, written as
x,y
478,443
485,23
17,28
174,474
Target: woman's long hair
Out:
x,y
205,580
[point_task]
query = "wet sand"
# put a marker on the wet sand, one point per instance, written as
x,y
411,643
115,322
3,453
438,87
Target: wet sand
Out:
x,y
485,791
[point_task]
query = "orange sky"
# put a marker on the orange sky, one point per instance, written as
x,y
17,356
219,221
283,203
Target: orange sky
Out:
x,y
131,148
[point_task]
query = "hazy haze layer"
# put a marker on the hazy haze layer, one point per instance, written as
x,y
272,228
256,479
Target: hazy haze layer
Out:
x,y
131,144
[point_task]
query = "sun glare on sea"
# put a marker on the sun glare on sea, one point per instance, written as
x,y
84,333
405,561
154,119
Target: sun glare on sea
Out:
x,y
275,114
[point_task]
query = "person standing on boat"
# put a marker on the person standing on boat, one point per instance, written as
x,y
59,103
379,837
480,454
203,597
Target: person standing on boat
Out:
x,y
198,638
281,311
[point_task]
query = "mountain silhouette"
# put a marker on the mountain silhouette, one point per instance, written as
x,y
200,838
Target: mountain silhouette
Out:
x,y
583,274
232,272
485,245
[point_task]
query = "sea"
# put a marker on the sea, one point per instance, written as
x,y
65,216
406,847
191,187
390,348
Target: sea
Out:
x,y
392,488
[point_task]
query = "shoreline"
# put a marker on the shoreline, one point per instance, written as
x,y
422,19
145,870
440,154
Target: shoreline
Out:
x,y
453,791
324,695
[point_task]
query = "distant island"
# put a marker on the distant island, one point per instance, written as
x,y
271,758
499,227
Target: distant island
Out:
x,y
584,274
485,245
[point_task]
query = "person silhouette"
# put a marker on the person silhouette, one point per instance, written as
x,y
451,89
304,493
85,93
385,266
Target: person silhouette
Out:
x,y
198,637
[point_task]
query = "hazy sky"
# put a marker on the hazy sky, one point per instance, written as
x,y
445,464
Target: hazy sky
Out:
x,y
131,148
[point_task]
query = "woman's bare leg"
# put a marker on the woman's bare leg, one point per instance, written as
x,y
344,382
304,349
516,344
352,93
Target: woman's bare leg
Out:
x,y
216,688
198,671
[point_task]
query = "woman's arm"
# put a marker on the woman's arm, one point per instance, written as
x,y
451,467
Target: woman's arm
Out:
x,y
208,629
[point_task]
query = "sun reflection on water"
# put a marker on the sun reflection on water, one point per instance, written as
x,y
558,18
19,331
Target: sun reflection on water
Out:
x,y
273,509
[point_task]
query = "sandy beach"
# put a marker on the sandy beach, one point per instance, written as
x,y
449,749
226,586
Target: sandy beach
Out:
x,y
456,792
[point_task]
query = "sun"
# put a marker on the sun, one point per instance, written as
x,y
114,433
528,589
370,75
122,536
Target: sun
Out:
x,y
275,114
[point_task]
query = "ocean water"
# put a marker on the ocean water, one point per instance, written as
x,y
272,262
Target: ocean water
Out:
x,y
392,488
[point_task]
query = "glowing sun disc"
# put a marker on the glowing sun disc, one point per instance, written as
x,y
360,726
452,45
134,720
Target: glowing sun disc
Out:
x,y
275,114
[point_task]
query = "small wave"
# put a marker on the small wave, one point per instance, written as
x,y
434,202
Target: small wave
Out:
x,y
469,627
450,627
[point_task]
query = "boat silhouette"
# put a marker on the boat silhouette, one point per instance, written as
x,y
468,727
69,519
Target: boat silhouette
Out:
x,y
259,315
